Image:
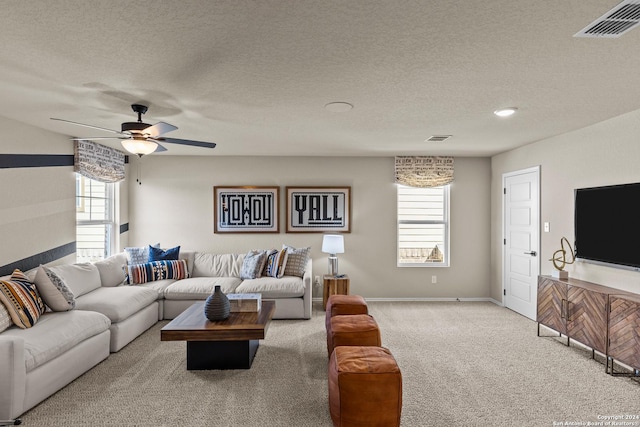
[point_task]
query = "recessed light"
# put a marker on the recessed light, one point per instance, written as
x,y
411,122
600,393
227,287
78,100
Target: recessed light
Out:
x,y
338,107
505,112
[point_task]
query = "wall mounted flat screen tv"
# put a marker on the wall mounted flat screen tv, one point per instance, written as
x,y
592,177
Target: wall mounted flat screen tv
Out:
x,y
607,225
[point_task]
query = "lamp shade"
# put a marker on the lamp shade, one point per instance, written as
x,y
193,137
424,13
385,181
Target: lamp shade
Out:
x,y
139,146
333,244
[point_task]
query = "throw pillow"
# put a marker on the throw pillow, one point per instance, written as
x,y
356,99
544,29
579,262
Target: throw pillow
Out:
x,y
20,296
139,255
157,270
253,264
157,254
5,318
54,292
296,260
276,262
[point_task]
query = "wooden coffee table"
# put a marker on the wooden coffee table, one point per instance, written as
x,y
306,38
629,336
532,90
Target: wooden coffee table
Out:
x,y
225,344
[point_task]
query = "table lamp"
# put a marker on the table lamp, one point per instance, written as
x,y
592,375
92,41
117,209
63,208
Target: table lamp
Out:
x,y
333,244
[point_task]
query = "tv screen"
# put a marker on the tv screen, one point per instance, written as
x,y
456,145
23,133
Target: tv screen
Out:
x,y
607,225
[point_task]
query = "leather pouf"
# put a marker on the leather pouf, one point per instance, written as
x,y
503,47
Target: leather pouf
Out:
x,y
217,305
344,304
352,329
365,387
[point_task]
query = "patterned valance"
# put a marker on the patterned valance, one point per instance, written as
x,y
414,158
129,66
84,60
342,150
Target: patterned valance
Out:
x,y
98,162
417,171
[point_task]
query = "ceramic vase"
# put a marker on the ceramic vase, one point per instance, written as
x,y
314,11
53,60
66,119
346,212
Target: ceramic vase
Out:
x,y
217,306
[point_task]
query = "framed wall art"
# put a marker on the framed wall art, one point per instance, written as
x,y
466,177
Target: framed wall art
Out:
x,y
318,209
246,209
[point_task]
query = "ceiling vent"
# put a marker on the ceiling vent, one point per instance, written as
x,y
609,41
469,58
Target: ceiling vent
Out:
x,y
438,138
615,22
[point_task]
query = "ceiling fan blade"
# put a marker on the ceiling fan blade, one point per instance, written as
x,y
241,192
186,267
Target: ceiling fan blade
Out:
x,y
88,126
188,142
158,129
160,148
92,138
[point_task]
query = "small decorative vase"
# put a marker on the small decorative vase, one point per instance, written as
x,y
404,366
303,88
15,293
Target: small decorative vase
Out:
x,y
217,306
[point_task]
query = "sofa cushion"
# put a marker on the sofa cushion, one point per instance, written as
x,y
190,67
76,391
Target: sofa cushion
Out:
x,y
113,270
270,287
253,264
117,303
276,263
159,286
56,333
158,254
138,255
5,318
157,270
80,278
296,260
22,300
200,287
54,292
217,265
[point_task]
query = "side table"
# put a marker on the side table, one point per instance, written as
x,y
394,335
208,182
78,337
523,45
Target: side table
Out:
x,y
334,286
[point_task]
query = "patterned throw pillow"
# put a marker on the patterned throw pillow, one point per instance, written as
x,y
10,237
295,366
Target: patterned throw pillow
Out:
x,y
276,263
157,270
296,260
54,292
21,298
139,255
157,254
5,318
253,264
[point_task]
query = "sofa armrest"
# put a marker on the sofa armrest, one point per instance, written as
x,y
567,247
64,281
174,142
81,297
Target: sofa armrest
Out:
x,y
13,377
307,279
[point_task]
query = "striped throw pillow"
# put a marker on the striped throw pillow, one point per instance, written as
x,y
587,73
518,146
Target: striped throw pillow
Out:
x,y
22,300
157,270
276,263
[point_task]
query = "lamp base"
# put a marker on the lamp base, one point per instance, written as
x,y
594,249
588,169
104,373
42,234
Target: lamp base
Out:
x,y
333,266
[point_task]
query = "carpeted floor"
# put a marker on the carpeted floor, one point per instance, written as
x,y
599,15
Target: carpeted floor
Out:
x,y
463,364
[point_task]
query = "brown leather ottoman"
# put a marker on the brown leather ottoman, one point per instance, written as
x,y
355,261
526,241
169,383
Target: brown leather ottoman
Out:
x,y
352,329
344,304
365,387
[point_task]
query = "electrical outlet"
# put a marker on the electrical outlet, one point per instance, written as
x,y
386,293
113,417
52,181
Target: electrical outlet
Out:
x,y
546,227
434,279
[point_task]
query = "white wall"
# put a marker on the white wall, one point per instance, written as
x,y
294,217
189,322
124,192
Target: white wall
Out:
x,y
603,154
38,206
174,206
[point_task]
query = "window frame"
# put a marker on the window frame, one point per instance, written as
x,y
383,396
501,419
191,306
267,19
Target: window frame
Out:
x,y
446,222
109,220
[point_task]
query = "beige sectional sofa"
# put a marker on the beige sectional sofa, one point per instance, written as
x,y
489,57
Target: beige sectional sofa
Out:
x,y
62,345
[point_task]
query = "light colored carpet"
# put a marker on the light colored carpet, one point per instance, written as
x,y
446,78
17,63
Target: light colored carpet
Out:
x,y
463,364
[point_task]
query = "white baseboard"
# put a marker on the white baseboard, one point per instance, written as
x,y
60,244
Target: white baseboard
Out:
x,y
428,300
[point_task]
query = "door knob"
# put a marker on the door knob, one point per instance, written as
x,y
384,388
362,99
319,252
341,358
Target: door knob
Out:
x,y
532,253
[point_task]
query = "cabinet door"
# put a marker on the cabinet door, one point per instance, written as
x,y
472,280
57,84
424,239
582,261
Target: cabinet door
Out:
x,y
552,297
587,317
624,330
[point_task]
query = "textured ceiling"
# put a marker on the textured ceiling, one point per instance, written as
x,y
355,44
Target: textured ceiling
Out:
x,y
254,76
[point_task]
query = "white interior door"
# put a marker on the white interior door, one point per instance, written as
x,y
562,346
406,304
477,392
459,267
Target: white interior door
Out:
x,y
521,262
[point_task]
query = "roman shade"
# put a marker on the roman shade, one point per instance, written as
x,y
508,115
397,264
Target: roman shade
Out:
x,y
423,171
98,162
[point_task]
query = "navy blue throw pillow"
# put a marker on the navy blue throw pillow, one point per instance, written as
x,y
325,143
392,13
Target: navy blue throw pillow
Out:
x,y
157,254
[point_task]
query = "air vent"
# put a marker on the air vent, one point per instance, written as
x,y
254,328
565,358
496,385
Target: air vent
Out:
x,y
438,138
615,22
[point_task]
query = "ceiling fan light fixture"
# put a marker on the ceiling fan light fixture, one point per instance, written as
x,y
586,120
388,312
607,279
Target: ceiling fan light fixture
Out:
x,y
505,112
140,147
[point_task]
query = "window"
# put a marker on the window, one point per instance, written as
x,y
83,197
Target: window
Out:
x,y
423,226
95,204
